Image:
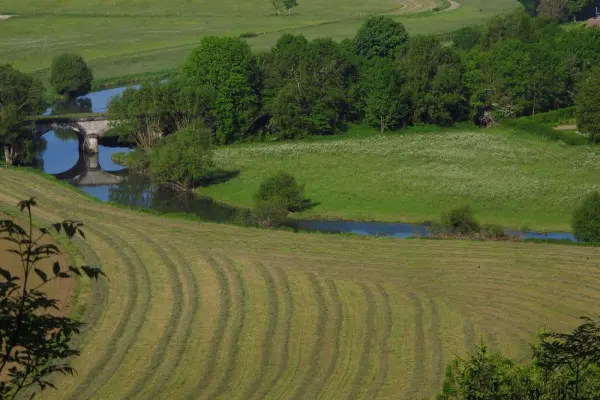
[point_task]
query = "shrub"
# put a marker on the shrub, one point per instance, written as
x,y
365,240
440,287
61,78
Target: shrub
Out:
x,y
461,220
246,35
184,158
281,189
136,160
270,213
70,76
586,219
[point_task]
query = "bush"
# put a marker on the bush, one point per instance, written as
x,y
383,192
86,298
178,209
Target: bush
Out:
x,y
184,158
136,160
270,213
247,35
281,189
586,219
70,76
461,221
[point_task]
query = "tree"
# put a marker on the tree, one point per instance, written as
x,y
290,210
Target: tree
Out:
x,y
586,219
35,342
466,38
380,37
283,189
447,101
70,75
587,102
227,65
461,220
576,6
183,159
280,5
386,104
306,87
20,98
554,9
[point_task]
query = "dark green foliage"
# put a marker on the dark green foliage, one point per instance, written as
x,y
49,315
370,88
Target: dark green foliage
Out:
x,y
588,104
157,109
281,189
70,76
269,213
565,366
380,37
35,342
228,66
306,87
460,220
466,38
385,103
183,158
586,219
433,78
136,160
20,98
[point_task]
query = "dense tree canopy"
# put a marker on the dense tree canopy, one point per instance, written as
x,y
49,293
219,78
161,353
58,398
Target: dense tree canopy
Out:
x,y
70,76
380,37
229,67
20,98
588,104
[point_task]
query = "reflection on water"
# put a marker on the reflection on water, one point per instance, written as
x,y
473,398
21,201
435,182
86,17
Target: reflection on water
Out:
x,y
96,102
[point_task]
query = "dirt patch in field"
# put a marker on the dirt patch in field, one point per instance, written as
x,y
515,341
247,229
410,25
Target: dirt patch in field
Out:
x,y
568,127
415,6
3,17
60,289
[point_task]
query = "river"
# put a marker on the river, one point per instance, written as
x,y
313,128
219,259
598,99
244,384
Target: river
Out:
x,y
62,155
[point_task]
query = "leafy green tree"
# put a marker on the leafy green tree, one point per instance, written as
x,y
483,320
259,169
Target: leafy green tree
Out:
x,y
386,104
280,5
35,342
576,6
281,188
447,101
306,87
466,38
423,57
586,219
70,76
380,37
20,98
183,159
461,220
588,104
557,10
146,114
228,65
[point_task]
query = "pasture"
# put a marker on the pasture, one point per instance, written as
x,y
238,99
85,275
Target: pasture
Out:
x,y
511,179
123,37
193,310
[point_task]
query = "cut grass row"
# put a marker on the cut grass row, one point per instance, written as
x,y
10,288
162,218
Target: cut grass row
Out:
x,y
510,178
130,39
245,313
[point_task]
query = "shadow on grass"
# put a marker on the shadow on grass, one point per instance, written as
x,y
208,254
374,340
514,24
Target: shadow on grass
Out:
x,y
218,176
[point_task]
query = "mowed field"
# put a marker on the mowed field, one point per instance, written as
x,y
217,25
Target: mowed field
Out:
x,y
512,179
208,311
123,37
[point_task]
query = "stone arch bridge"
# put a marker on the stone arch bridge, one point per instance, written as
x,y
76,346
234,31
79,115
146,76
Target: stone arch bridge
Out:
x,y
88,129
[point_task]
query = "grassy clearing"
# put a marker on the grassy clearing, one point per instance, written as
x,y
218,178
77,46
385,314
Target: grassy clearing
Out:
x,y
124,38
510,178
216,311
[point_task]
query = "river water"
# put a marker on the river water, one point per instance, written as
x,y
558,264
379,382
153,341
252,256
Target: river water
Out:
x,y
109,182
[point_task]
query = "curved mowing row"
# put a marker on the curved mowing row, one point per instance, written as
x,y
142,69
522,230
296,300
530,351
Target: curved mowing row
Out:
x,y
206,311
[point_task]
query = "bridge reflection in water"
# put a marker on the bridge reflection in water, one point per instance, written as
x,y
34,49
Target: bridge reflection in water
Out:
x,y
88,172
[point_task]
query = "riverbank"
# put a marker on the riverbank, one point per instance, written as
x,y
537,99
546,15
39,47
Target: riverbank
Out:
x,y
511,179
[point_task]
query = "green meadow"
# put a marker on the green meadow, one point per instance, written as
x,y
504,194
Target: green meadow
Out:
x,y
510,178
124,37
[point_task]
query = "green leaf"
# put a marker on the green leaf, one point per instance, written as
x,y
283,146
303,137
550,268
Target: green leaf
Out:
x,y
41,274
56,268
5,274
75,270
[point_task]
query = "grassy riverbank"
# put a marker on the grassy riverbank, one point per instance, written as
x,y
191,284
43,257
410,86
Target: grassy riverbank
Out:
x,y
121,38
513,179
217,311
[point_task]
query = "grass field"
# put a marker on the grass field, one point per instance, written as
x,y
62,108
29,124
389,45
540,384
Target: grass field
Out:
x,y
211,311
124,37
515,180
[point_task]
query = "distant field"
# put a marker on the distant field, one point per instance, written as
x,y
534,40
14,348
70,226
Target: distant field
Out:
x,y
130,37
514,180
207,311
